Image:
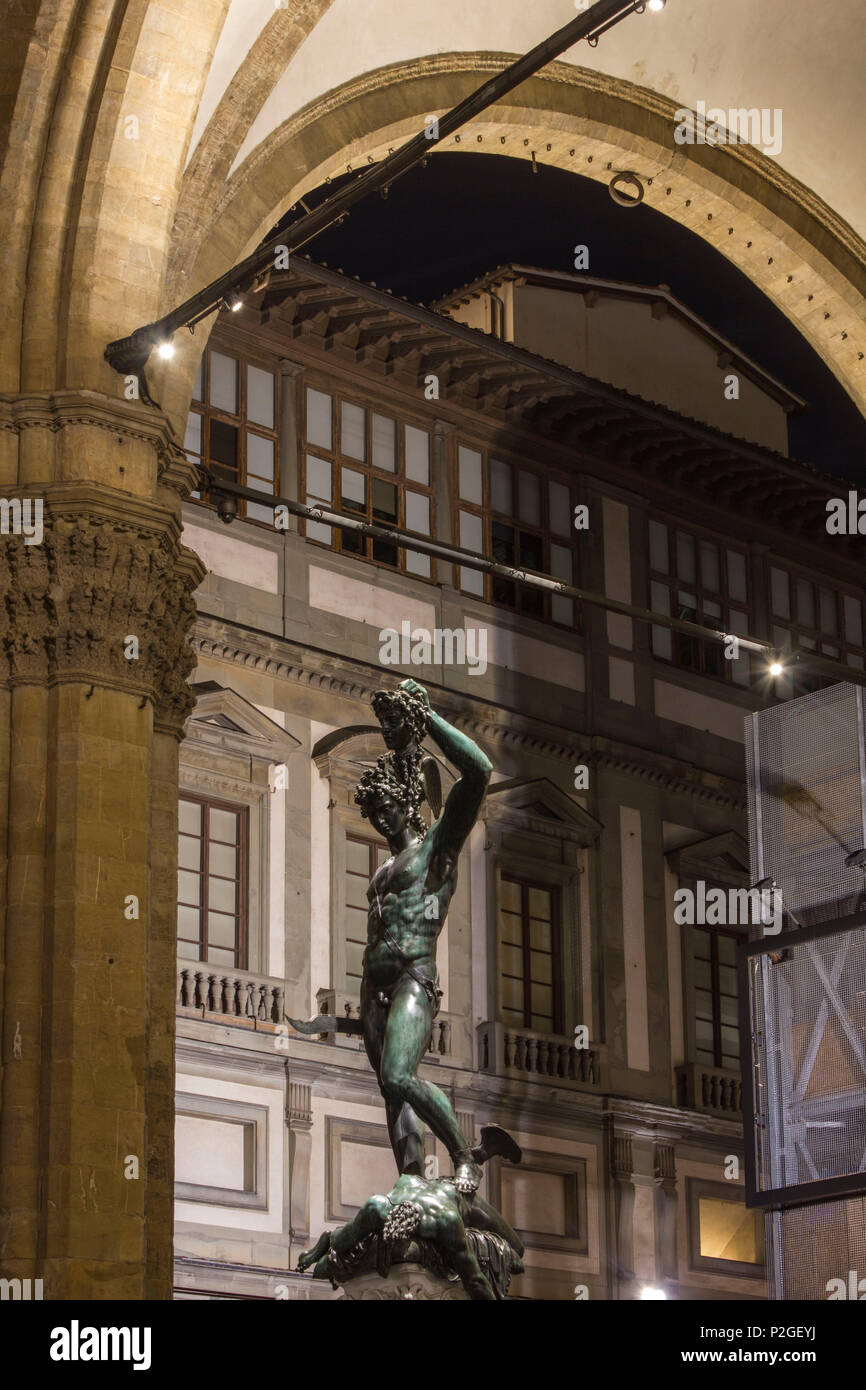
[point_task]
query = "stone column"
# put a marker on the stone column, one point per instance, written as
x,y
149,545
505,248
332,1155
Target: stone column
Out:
x,y
93,672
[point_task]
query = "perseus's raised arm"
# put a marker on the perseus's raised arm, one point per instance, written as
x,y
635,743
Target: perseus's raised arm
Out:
x,y
464,800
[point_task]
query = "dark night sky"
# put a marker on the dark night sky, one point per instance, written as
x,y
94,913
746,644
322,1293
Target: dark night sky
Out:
x,y
464,214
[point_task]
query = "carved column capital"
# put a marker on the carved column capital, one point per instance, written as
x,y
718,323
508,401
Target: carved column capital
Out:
x,y
105,596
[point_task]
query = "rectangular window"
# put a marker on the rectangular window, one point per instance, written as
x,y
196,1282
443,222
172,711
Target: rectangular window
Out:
x,y
233,427
724,1235
717,1029
212,881
810,617
372,466
698,580
529,955
519,518
363,858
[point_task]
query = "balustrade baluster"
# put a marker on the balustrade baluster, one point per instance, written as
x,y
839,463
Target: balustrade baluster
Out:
x,y
249,1009
199,998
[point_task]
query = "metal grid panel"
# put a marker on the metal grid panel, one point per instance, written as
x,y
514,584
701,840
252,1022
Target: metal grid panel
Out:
x,y
806,762
806,1003
812,1245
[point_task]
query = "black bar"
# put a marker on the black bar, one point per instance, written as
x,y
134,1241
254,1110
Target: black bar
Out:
x,y
129,355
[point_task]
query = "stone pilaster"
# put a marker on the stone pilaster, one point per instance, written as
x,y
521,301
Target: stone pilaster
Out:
x,y
299,1119
621,1171
666,1211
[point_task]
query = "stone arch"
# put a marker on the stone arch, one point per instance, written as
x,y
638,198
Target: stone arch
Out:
x,y
93,210
808,261
216,150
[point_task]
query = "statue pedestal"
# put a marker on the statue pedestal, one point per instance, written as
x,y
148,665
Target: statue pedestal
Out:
x,y
405,1281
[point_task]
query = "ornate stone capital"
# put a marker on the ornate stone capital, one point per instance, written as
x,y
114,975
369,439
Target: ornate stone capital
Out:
x,y
106,597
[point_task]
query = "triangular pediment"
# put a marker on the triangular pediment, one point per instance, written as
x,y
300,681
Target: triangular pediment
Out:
x,y
540,805
224,719
720,859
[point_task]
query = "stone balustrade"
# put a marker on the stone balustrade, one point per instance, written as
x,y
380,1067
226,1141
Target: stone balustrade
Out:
x,y
236,994
249,999
507,1051
716,1089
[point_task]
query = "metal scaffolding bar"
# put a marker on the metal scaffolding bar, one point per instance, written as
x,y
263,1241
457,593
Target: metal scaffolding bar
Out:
x,y
129,356
453,554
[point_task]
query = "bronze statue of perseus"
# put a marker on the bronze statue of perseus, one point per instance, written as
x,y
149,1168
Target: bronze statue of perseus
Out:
x,y
408,898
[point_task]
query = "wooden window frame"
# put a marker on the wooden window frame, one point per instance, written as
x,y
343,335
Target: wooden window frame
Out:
x,y
240,422
242,881
555,891
809,638
543,530
714,932
683,642
338,460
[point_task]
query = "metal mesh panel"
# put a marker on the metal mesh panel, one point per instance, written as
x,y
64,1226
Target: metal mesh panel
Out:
x,y
816,1244
807,1008
806,762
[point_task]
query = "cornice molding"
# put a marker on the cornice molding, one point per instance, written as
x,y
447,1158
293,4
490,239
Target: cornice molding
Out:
x,y
60,410
286,660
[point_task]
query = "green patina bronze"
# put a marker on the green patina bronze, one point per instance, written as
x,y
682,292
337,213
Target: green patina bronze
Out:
x,y
409,897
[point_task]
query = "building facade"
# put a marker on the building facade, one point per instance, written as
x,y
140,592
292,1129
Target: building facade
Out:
x,y
579,1010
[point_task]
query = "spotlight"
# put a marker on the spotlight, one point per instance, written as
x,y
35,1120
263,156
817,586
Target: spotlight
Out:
x,y
236,304
649,1291
166,350
656,4
777,669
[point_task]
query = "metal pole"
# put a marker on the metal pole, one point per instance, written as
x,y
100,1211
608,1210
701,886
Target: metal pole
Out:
x,y
468,558
129,356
